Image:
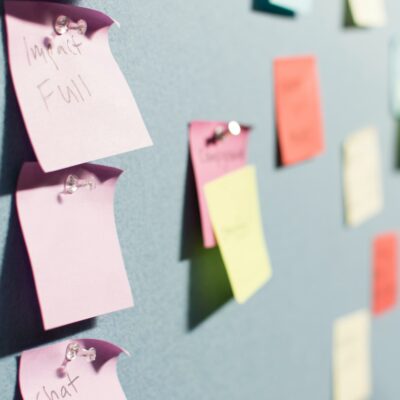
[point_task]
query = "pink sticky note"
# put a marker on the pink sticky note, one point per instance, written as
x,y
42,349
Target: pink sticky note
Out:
x,y
212,159
74,99
72,243
44,373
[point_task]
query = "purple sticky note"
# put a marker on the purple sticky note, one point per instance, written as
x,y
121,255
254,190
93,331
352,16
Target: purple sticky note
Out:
x,y
44,373
72,242
75,101
212,159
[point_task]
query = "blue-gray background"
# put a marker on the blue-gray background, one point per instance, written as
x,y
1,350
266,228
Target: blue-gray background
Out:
x,y
207,59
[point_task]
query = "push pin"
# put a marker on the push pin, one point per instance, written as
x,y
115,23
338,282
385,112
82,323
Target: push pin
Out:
x,y
73,351
64,24
233,128
73,183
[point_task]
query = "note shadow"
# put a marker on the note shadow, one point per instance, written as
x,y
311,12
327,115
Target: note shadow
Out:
x,y
278,154
20,318
209,287
191,230
348,20
17,392
16,145
267,7
397,147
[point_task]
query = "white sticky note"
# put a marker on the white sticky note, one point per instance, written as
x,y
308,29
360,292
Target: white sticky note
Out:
x,y
297,6
362,180
368,13
351,357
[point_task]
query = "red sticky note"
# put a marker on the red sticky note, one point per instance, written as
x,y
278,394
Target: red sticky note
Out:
x,y
384,272
298,109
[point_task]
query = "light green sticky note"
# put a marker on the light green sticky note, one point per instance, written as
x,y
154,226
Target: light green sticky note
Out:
x,y
234,209
297,6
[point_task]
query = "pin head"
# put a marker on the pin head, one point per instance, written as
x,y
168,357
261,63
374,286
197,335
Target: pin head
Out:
x,y
81,26
234,128
72,351
71,184
91,354
61,24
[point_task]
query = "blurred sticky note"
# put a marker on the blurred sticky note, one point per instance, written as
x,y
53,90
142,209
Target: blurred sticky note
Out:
x,y
43,374
384,272
298,6
235,215
368,13
394,84
72,243
298,109
212,159
351,357
362,181
75,101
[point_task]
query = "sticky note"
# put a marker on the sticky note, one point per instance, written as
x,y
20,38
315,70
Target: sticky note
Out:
x,y
298,109
394,66
362,181
351,357
75,101
298,6
384,272
368,13
72,243
235,215
212,159
44,375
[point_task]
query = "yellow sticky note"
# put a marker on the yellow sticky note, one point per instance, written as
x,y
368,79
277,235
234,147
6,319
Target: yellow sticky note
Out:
x,y
351,357
368,13
362,181
232,202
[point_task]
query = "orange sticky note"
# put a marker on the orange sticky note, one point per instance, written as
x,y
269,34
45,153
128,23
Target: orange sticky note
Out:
x,y
384,272
298,109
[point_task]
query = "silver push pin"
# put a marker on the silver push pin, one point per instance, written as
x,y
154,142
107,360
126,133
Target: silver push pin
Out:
x,y
64,24
74,350
233,128
73,183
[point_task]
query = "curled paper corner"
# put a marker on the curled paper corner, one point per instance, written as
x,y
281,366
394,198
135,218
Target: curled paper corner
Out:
x,y
40,369
117,24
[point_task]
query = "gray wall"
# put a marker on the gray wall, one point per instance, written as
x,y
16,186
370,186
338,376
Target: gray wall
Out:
x,y
207,59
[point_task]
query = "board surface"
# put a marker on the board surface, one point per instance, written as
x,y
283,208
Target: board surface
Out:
x,y
202,59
